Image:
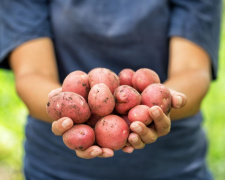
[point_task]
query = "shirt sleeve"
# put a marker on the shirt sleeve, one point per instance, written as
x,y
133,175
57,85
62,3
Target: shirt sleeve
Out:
x,y
198,21
21,21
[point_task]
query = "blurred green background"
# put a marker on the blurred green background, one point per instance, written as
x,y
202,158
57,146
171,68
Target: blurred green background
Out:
x,y
13,113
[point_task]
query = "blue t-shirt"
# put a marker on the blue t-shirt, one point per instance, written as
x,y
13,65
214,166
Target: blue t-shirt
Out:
x,y
116,35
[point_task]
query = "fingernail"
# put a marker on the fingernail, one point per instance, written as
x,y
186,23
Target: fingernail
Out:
x,y
134,140
137,127
66,123
95,153
106,155
131,151
155,112
179,101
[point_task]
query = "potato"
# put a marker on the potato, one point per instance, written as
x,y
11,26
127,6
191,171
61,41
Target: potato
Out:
x,y
93,120
126,98
157,95
68,104
126,119
125,77
103,75
77,82
140,113
79,137
101,100
111,132
144,77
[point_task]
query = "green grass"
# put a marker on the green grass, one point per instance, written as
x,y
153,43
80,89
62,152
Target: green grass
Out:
x,y
13,113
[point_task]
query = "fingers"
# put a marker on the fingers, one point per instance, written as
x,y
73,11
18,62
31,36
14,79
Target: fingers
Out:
x,y
162,122
135,140
62,125
106,153
145,135
128,148
178,99
95,151
142,135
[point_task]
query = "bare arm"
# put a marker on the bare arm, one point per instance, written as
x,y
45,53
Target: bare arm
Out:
x,y
189,73
36,75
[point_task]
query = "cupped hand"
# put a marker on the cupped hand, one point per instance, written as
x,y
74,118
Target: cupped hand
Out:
x,y
142,134
62,125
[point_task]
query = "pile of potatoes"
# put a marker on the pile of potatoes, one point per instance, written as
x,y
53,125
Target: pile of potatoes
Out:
x,y
103,104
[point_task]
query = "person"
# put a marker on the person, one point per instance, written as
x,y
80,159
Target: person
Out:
x,y
43,41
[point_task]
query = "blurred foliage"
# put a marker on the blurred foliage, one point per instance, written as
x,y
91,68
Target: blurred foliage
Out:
x,y
214,112
12,120
13,114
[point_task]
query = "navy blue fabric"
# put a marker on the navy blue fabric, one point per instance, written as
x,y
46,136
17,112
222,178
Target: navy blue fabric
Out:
x,y
116,35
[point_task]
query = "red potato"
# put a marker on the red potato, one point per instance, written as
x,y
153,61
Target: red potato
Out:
x,y
103,75
126,98
68,104
93,120
140,113
101,100
157,95
125,77
144,77
111,132
77,82
126,119
79,137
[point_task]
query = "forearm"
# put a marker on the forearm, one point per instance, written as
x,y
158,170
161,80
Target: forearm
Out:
x,y
33,89
189,73
194,85
36,75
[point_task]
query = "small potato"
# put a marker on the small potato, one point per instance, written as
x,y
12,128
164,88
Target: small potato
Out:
x,y
111,132
79,137
126,98
157,95
140,113
103,75
126,119
101,100
125,77
93,120
68,104
77,82
144,77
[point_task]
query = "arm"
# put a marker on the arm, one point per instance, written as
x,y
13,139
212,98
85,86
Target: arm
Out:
x,y
189,73
36,75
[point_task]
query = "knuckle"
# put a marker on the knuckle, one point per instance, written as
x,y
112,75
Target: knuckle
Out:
x,y
151,139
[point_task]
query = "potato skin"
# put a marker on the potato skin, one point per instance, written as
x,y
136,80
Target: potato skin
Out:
x,y
68,104
144,77
140,113
103,75
93,120
101,100
79,137
126,97
111,132
125,76
157,95
77,82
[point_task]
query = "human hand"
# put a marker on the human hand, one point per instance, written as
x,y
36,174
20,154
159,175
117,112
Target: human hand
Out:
x,y
63,124
142,134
